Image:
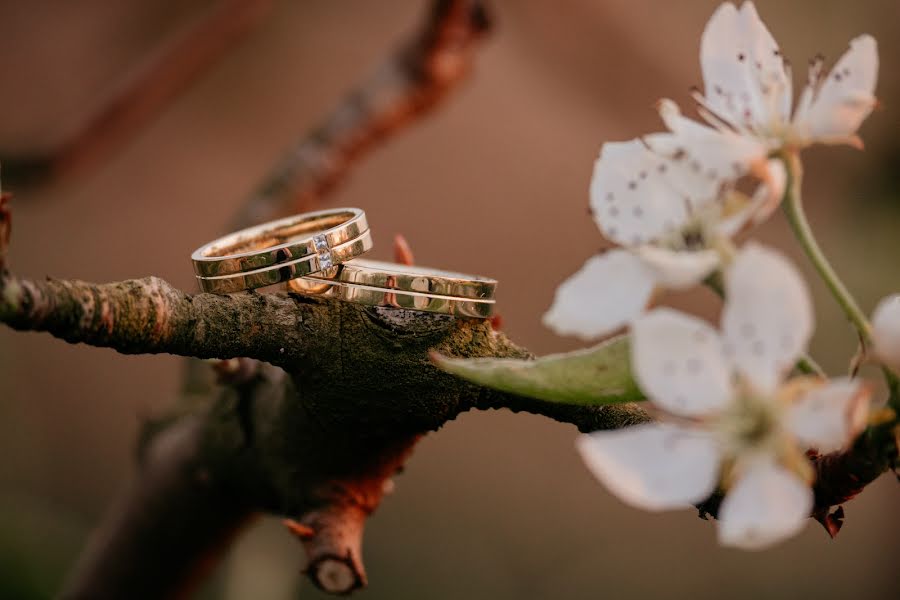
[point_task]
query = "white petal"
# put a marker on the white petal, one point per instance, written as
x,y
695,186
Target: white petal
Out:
x,y
702,158
657,466
630,200
678,270
767,504
845,99
768,319
804,102
745,80
679,363
829,417
608,292
886,331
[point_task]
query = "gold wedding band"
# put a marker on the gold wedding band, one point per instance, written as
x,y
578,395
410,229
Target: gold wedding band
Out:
x,y
315,254
377,283
281,250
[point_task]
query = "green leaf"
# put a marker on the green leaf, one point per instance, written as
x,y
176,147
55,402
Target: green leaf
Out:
x,y
598,375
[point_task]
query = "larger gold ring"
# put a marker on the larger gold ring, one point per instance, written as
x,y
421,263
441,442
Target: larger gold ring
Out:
x,y
280,250
281,241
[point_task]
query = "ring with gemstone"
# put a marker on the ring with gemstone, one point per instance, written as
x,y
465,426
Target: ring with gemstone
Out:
x,y
280,250
377,283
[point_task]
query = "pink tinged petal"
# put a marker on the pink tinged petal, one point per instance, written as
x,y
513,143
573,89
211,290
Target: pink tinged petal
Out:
x,y
845,99
767,319
631,202
886,331
679,363
770,72
745,79
766,505
765,200
678,270
608,292
828,418
657,466
771,192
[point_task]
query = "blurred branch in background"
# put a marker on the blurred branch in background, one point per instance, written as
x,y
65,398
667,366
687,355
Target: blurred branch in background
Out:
x,y
409,84
144,93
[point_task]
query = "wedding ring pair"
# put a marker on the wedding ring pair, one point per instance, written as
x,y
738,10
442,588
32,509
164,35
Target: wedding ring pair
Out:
x,y
316,254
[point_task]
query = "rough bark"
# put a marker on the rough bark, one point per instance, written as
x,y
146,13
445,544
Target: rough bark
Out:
x,y
317,440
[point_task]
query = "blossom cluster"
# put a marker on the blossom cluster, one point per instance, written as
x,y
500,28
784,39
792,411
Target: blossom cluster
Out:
x,y
734,416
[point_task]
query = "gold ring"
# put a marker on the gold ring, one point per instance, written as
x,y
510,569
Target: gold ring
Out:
x,y
376,283
282,241
247,280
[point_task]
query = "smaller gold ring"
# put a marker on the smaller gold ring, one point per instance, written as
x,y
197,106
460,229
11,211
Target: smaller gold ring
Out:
x,y
377,283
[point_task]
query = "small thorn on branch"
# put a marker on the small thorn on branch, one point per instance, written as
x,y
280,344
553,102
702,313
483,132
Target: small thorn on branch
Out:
x,y
402,252
302,531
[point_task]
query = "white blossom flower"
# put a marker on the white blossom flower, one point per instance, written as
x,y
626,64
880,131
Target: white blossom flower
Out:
x,y
661,198
886,331
672,216
748,87
729,415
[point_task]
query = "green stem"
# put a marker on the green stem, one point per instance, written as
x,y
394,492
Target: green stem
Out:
x,y
793,208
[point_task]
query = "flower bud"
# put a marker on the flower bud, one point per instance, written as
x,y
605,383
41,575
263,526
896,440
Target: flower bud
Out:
x,y
886,331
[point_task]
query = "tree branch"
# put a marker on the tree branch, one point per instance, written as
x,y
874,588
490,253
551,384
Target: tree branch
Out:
x,y
167,529
149,316
321,450
319,439
406,86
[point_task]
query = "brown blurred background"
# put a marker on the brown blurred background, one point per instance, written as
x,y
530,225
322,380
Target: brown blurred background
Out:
x,y
495,505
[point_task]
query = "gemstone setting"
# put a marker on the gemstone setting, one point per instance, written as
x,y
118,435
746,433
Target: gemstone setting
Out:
x,y
326,261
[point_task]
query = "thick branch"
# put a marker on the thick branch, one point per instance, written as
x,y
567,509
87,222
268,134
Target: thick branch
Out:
x,y
166,529
169,527
363,423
